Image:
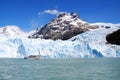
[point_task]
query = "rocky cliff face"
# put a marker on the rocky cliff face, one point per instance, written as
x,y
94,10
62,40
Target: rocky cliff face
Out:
x,y
63,27
114,38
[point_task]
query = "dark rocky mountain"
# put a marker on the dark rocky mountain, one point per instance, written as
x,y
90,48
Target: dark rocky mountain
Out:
x,y
65,26
114,38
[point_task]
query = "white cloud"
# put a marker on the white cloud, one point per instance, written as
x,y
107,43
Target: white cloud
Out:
x,y
51,12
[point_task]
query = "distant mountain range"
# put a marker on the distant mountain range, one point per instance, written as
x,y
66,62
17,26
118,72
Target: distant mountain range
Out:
x,y
66,36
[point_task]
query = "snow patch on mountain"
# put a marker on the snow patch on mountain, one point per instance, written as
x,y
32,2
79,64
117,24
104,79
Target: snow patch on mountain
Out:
x,y
12,30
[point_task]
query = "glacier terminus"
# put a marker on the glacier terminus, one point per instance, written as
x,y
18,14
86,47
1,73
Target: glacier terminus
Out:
x,y
91,43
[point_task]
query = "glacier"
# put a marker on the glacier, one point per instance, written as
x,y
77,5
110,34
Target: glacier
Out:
x,y
90,44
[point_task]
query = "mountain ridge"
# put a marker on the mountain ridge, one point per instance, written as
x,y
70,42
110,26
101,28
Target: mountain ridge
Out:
x,y
64,26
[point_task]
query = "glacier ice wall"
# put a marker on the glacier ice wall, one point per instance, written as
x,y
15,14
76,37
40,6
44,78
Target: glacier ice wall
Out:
x,y
86,45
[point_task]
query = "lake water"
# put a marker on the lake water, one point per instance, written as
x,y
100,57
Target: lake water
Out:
x,y
60,69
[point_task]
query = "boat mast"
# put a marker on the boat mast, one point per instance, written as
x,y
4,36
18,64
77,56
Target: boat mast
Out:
x,y
39,52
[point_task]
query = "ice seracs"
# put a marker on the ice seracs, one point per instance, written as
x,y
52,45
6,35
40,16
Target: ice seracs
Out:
x,y
89,44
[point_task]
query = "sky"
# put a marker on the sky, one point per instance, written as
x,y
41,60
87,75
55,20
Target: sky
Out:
x,y
30,14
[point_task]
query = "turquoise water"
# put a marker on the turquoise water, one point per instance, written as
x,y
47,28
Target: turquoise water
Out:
x,y
60,69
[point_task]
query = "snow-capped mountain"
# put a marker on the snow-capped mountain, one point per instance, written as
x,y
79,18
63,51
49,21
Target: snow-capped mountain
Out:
x,y
12,30
86,45
65,26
